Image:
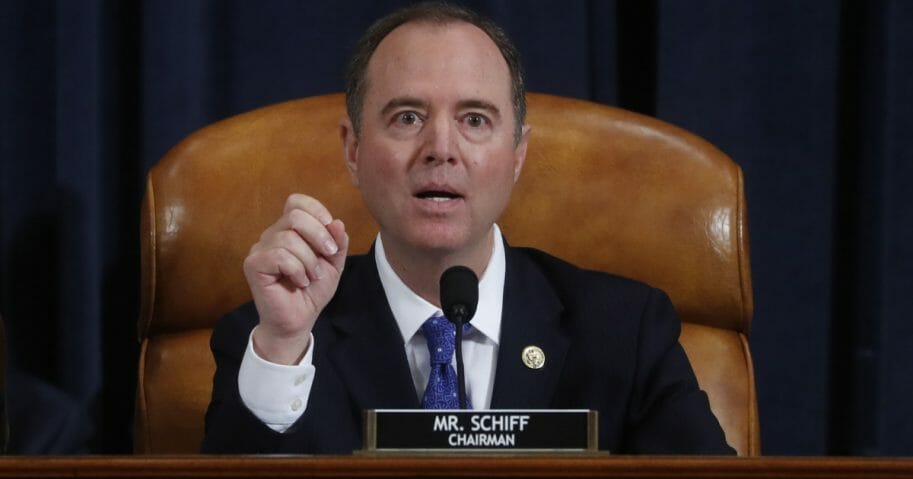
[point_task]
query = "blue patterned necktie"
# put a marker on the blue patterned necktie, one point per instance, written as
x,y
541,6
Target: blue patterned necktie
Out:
x,y
441,392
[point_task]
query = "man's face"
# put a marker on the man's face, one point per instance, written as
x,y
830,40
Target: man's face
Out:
x,y
436,158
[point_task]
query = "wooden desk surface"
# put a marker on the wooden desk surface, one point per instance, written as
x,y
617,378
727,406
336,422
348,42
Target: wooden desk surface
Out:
x,y
453,466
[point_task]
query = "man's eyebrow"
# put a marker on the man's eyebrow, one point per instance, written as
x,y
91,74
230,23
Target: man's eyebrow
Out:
x,y
413,102
401,101
474,104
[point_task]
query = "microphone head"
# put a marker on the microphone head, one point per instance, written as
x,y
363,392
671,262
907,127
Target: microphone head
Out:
x,y
459,294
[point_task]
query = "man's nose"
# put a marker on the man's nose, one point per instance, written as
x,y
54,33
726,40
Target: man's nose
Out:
x,y
440,137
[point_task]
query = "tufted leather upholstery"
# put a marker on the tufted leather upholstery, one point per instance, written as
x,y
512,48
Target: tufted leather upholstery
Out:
x,y
602,187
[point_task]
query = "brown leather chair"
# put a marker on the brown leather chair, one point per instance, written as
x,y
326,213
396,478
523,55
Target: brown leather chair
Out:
x,y
602,187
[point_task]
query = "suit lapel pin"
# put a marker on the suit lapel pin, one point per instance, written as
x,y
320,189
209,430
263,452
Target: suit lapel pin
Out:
x,y
533,357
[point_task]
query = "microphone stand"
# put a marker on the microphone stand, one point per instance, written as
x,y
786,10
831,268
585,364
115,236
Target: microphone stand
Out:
x,y
459,315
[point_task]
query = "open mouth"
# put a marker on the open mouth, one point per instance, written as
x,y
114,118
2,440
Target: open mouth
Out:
x,y
436,195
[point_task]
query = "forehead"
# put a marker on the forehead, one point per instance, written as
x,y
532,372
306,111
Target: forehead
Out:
x,y
424,58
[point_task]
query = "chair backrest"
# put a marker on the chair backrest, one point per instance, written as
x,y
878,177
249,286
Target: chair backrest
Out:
x,y
602,187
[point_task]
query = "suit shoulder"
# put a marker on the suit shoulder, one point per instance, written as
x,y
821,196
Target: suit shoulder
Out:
x,y
588,294
566,276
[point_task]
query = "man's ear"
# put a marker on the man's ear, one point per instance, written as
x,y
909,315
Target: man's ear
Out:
x,y
520,151
349,148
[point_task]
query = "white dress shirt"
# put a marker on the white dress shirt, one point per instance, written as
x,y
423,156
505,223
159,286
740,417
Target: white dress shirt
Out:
x,y
278,394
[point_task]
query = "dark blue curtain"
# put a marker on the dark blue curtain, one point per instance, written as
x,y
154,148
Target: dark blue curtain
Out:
x,y
812,99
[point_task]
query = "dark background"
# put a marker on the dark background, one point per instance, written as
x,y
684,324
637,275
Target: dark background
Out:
x,y
811,97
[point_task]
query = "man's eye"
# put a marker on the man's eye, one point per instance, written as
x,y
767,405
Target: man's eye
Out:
x,y
408,118
475,120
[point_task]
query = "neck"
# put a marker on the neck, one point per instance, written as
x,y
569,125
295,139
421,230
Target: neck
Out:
x,y
421,270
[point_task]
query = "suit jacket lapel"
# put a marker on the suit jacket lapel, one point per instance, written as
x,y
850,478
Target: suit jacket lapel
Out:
x,y
531,317
369,355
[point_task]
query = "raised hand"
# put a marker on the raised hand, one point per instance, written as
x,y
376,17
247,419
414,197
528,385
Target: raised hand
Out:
x,y
293,272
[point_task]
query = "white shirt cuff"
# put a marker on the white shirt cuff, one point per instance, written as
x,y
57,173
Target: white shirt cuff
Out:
x,y
276,393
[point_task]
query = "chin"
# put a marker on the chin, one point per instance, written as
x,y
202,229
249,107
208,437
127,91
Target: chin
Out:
x,y
439,240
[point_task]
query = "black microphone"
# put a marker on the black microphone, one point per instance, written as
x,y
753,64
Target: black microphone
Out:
x,y
459,298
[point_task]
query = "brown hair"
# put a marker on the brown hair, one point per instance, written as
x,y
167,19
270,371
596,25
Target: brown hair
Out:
x,y
438,13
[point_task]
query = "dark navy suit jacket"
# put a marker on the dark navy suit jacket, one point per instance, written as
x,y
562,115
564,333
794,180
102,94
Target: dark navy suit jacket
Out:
x,y
611,344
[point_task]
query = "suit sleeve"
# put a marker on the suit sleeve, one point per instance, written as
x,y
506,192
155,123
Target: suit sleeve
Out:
x,y
669,413
327,426
230,427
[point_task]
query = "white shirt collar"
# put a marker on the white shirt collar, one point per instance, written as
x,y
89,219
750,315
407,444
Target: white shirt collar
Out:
x,y
411,310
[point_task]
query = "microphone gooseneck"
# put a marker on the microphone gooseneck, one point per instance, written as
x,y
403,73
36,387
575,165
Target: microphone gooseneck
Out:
x,y
459,299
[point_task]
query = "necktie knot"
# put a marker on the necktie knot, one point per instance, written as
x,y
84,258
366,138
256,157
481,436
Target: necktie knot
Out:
x,y
441,392
440,334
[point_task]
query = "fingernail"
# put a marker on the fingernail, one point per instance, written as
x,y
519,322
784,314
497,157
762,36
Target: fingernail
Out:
x,y
318,271
330,247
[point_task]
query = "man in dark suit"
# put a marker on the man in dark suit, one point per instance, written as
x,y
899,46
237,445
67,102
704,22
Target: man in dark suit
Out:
x,y
435,140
